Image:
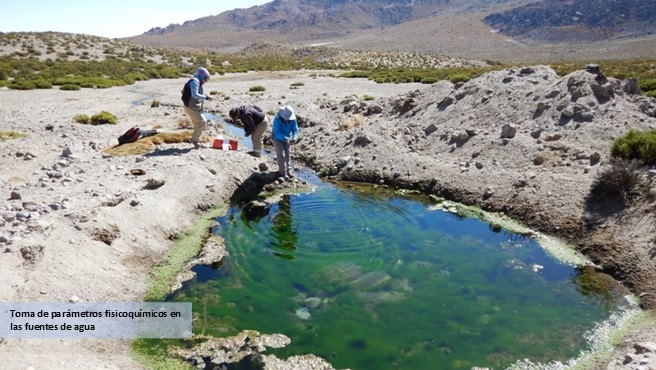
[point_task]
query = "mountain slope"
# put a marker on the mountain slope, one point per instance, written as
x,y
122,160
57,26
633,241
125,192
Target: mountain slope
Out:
x,y
582,20
504,30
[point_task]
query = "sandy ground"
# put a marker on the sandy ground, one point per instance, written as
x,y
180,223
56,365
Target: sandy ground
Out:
x,y
81,227
76,225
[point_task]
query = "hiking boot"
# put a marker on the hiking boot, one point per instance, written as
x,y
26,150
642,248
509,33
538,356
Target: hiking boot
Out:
x,y
198,145
290,175
255,154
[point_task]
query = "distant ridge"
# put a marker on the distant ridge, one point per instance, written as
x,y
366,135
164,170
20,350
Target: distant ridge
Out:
x,y
475,29
584,20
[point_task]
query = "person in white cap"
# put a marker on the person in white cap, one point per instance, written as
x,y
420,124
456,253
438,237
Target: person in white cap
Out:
x,y
285,133
193,98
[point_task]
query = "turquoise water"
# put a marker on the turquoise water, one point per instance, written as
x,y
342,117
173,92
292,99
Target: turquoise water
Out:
x,y
379,281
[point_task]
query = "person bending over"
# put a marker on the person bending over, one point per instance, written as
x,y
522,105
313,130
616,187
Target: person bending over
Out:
x,y
255,122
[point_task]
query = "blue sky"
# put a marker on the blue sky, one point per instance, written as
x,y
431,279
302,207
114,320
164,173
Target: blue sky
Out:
x,y
108,18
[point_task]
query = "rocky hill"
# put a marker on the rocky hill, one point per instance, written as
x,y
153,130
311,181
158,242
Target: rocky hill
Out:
x,y
504,30
582,20
525,142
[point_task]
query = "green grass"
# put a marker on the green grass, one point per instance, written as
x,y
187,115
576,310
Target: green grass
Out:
x,y
153,353
636,145
103,118
257,88
188,246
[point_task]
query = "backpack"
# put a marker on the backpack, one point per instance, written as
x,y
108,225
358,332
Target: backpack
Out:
x,y
130,136
186,94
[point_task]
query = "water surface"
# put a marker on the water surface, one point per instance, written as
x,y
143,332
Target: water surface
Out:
x,y
380,281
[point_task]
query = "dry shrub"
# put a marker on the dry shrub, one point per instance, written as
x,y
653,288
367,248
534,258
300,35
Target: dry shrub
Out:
x,y
184,122
6,135
156,103
620,179
81,118
147,144
172,137
350,122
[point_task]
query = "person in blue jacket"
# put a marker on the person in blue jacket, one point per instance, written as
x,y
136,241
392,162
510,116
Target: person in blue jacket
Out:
x,y
285,133
193,97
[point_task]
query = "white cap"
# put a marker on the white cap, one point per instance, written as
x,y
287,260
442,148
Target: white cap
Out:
x,y
287,113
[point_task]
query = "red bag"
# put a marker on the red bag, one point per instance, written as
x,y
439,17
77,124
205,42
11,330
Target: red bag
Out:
x,y
130,136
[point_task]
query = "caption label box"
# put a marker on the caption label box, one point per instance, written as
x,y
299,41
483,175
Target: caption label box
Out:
x,y
96,320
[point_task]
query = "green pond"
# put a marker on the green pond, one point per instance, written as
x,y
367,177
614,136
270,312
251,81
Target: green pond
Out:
x,y
384,281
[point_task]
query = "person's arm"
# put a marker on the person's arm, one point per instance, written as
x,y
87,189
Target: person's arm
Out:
x,y
249,124
195,88
294,130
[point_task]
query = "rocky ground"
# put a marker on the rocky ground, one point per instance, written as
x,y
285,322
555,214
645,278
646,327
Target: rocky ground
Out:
x,y
77,225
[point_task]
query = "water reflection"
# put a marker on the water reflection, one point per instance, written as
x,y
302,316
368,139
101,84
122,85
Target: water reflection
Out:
x,y
285,237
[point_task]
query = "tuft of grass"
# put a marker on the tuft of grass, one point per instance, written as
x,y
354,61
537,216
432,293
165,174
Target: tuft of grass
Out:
x,y
103,118
368,97
636,145
8,135
155,103
23,85
184,122
458,77
258,88
297,84
81,118
43,84
70,87
354,121
620,179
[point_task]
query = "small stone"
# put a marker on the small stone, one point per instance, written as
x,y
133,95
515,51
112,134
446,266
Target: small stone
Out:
x,y
67,152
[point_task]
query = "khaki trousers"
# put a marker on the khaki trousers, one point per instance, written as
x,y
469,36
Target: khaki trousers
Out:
x,y
258,135
199,123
